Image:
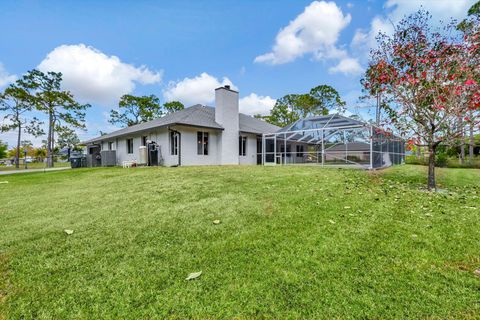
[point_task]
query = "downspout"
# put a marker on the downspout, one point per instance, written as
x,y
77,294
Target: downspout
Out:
x,y
179,145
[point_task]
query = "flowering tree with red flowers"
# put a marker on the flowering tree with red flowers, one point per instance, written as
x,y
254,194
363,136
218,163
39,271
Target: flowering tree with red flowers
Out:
x,y
429,78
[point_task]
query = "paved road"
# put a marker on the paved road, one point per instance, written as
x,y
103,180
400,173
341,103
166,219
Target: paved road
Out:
x,y
32,170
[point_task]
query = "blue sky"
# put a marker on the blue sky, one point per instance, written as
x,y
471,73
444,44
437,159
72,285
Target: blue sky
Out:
x,y
181,50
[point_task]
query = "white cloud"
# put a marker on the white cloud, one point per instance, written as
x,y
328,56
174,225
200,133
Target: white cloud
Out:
x,y
200,89
95,77
441,10
347,66
254,104
5,77
315,32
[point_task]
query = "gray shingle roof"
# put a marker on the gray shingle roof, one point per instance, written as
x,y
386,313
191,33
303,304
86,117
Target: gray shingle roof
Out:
x,y
198,116
253,125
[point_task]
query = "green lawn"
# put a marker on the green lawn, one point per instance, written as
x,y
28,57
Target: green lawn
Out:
x,y
34,165
293,242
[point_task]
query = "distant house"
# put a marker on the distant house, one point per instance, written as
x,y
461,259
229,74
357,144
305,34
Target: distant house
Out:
x,y
198,135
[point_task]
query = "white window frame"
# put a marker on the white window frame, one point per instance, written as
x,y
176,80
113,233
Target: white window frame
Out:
x,y
173,143
205,145
128,146
242,148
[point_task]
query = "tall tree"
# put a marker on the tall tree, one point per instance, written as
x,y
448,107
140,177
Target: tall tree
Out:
x,y
327,99
134,110
430,77
280,115
67,138
291,107
16,102
59,105
173,106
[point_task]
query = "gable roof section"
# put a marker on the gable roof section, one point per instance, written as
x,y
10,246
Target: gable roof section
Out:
x,y
253,125
197,116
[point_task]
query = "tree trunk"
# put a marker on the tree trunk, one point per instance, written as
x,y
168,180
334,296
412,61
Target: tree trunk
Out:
x,y
53,143
431,167
471,144
461,157
17,154
49,141
462,150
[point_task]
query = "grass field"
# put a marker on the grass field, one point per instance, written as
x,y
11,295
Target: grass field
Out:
x,y
33,165
293,242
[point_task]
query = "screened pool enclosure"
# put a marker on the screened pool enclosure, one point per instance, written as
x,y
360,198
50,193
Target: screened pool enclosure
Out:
x,y
332,140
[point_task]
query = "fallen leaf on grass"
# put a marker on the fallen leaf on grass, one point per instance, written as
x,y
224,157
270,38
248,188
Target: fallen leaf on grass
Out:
x,y
331,221
194,275
68,231
216,221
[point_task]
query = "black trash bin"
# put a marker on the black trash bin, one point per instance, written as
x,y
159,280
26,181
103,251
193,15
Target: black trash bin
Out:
x,y
78,161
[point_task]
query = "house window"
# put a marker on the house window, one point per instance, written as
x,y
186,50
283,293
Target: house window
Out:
x,y
242,146
129,146
289,150
300,150
202,143
144,141
110,145
173,143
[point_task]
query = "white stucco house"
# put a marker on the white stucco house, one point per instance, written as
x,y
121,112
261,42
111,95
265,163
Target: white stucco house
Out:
x,y
198,135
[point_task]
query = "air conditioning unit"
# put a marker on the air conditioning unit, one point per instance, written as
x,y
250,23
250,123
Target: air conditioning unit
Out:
x,y
108,158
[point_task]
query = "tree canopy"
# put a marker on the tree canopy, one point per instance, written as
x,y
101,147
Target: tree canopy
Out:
x,y
429,76
59,105
291,107
134,110
17,102
173,106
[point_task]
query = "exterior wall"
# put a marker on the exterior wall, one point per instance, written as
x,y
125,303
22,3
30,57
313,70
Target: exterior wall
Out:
x,y
226,114
122,154
104,145
251,154
188,144
120,145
